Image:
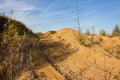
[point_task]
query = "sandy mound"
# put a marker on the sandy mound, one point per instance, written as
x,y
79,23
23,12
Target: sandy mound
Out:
x,y
79,62
68,34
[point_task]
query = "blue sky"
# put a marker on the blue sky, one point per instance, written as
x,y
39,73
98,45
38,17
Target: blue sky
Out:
x,y
44,15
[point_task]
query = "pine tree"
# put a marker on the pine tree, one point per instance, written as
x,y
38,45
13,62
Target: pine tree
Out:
x,y
116,31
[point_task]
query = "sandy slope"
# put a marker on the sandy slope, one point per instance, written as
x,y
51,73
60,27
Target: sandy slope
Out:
x,y
45,71
77,62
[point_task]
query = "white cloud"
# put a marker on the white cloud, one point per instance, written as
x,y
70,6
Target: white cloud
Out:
x,y
16,5
21,8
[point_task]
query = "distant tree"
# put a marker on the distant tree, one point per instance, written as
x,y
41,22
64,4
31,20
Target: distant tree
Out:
x,y
102,32
93,30
87,32
116,30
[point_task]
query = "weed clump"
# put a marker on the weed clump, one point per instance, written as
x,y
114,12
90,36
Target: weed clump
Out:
x,y
16,45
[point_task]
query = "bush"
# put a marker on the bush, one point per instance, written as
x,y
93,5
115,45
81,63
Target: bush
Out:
x,y
102,32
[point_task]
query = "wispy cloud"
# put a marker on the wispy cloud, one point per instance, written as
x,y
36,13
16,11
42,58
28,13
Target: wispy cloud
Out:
x,y
48,11
89,13
48,8
21,8
16,5
54,13
51,11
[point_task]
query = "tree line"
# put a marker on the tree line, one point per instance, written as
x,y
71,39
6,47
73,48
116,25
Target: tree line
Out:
x,y
102,32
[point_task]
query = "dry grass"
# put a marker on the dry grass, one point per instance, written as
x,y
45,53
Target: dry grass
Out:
x,y
13,48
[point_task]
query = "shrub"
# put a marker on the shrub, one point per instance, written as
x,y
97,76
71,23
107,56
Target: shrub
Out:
x,y
102,32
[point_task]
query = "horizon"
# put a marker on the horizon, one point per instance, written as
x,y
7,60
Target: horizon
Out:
x,y
45,15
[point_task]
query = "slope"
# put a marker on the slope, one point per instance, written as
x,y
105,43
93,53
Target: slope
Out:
x,y
77,62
